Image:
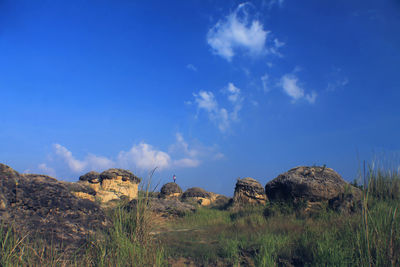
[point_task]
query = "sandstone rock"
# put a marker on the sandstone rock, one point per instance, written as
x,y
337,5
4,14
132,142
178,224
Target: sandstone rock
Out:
x,y
115,174
311,185
170,190
249,191
92,177
109,185
41,205
197,195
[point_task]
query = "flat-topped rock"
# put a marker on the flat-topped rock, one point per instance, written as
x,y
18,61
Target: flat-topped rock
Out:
x,y
91,177
112,184
118,174
249,191
170,190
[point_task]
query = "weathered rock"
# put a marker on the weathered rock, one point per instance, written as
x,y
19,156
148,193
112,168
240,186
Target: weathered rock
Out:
x,y
115,174
308,183
170,190
347,203
41,205
109,185
171,207
312,186
249,191
221,202
197,195
92,177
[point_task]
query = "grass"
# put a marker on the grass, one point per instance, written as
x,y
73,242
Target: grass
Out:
x,y
274,235
278,234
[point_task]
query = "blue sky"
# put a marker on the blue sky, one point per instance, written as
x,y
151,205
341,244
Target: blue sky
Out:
x,y
207,90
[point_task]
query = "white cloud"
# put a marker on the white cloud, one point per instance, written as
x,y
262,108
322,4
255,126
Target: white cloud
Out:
x,y
289,84
47,170
191,67
182,146
91,162
206,100
221,116
234,93
236,31
264,81
141,157
74,164
234,96
311,97
144,157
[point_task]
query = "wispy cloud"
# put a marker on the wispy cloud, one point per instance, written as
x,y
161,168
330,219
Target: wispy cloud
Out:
x,y
74,164
264,81
91,162
192,155
221,116
336,80
46,170
237,31
273,3
191,67
290,85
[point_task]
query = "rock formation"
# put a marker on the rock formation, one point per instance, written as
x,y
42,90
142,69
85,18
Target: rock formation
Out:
x,y
170,207
249,191
109,185
41,205
311,185
198,195
170,190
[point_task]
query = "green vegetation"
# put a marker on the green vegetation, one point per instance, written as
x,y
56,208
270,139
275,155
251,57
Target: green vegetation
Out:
x,y
276,235
280,234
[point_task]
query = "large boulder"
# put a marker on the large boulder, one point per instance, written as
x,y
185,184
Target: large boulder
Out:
x,y
170,190
312,186
249,191
40,205
112,184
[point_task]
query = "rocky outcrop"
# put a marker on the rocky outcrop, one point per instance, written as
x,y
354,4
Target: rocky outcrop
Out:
x,y
311,185
170,207
170,190
197,195
249,191
40,205
109,185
